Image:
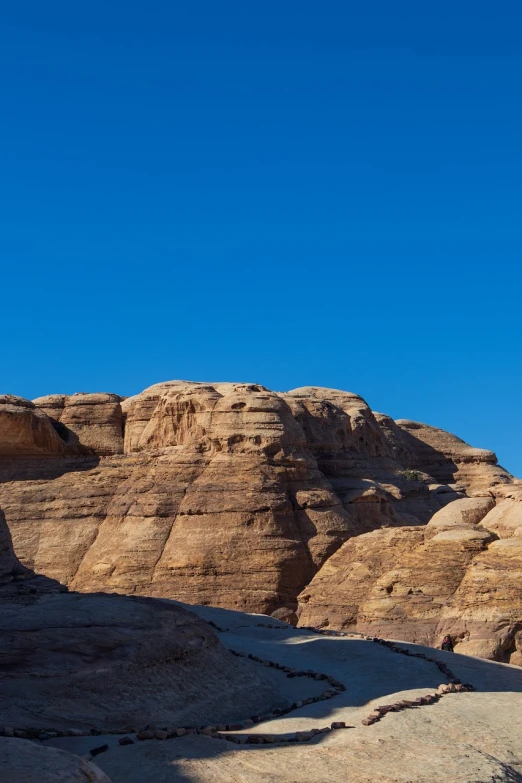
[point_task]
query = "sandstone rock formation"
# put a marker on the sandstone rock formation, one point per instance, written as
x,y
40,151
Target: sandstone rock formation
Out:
x,y
25,762
460,574
107,661
225,494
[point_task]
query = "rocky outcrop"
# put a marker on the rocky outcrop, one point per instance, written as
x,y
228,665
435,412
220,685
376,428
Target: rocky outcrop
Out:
x,y
226,494
93,420
460,574
105,662
25,430
26,762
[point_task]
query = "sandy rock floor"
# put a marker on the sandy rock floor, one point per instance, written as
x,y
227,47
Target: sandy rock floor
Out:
x,y
464,738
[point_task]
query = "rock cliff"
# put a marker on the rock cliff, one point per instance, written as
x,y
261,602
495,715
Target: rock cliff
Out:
x,y
231,494
109,661
460,574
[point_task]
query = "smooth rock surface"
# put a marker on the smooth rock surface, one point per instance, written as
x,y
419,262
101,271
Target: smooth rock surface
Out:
x,y
463,738
26,762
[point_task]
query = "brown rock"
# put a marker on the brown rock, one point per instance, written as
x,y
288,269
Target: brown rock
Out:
x,y
237,496
286,615
146,734
419,583
26,431
93,420
78,653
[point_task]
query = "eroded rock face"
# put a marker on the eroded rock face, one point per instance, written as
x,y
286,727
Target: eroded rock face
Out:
x,y
226,494
109,661
24,430
93,420
460,574
10,566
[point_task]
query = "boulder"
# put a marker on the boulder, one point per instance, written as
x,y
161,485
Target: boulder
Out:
x,y
22,761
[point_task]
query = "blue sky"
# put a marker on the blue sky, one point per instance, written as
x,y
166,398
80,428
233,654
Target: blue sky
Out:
x,y
288,193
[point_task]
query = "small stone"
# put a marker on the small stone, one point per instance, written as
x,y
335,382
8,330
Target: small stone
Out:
x,y
247,724
340,724
160,735
146,734
126,741
75,733
303,736
98,750
235,726
21,734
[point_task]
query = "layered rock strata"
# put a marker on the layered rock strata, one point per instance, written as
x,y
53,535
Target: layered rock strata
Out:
x,y
225,494
105,662
460,574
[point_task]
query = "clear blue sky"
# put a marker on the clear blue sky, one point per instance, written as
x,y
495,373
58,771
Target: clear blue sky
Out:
x,y
289,193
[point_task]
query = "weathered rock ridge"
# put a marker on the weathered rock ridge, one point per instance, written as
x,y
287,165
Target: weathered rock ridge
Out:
x,y
233,495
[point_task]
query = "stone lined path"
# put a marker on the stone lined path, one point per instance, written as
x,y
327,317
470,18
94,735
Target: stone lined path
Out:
x,y
239,732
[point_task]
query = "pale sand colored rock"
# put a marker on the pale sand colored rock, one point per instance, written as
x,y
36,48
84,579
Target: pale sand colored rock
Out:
x,y
460,513
505,519
420,583
26,762
473,737
226,493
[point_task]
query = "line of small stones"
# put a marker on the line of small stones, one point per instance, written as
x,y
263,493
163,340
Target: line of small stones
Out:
x,y
453,686
150,732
